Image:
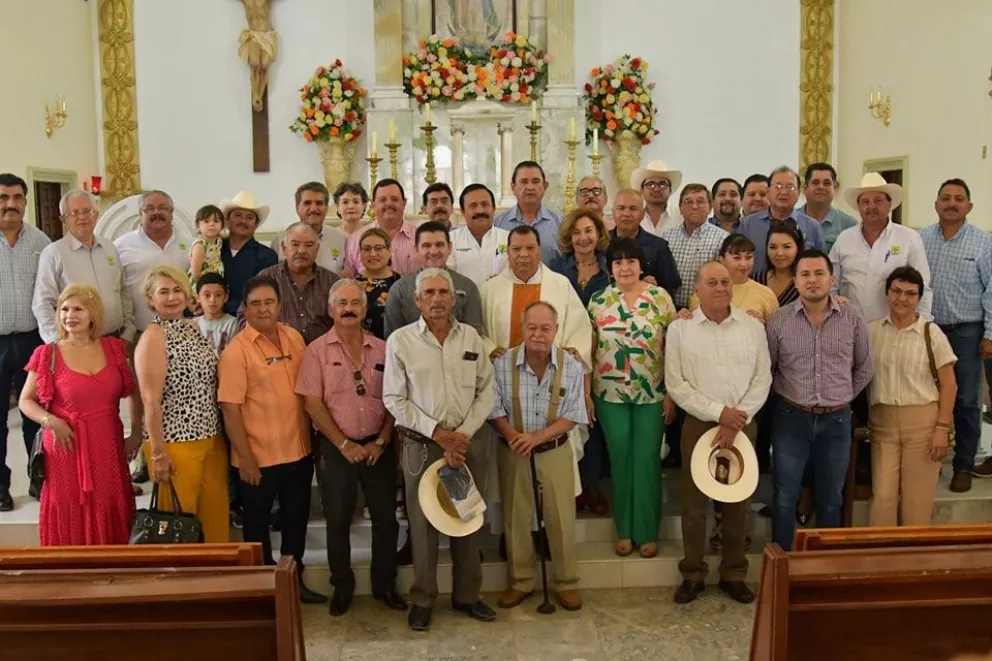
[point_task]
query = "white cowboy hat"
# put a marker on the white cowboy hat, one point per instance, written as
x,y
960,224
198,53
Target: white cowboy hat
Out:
x,y
437,506
245,200
873,181
655,167
741,468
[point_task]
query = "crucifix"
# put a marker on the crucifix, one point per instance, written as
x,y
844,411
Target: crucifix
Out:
x,y
257,46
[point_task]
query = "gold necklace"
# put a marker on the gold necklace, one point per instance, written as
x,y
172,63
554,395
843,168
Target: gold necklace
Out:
x,y
70,343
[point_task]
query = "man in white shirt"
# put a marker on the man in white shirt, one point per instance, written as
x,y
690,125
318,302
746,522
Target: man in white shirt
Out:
x,y
82,257
718,370
865,255
312,200
478,250
657,183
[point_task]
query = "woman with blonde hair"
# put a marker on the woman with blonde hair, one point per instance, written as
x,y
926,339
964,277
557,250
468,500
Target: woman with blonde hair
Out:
x,y
177,373
73,390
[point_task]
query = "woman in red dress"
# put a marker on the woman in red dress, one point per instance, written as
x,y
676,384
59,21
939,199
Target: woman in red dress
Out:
x,y
86,498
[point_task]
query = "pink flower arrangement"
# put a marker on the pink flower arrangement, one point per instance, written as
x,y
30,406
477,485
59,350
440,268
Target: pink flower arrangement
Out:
x,y
618,98
333,106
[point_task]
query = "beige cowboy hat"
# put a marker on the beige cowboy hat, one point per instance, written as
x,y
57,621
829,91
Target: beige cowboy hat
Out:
x,y
873,181
438,508
655,167
726,475
245,200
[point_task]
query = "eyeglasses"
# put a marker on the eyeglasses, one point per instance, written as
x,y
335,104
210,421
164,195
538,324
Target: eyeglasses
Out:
x,y
79,213
657,185
791,188
590,192
278,359
359,383
376,248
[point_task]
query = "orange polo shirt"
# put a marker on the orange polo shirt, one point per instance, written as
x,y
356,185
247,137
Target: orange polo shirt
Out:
x,y
262,379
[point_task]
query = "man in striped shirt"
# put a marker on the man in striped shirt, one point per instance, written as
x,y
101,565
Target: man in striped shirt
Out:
x,y
821,360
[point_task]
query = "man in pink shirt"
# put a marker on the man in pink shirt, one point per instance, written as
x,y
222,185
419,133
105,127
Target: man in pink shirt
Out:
x,y
341,380
388,202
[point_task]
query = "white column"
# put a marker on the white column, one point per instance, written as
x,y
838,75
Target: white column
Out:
x,y
506,197
457,158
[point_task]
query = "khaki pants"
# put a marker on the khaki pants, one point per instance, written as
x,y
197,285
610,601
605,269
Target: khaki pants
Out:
x,y
695,506
903,478
555,473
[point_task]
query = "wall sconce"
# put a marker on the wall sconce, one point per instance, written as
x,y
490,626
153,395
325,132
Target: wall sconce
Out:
x,y
878,108
94,185
55,120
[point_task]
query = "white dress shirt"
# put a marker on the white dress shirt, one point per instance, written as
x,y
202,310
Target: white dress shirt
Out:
x,y
478,262
139,255
331,251
69,261
710,366
861,269
667,221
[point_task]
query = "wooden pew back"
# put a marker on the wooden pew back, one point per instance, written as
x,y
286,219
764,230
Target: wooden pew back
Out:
x,y
836,539
124,556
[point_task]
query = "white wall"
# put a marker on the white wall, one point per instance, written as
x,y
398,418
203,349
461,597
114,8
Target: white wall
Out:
x,y
933,59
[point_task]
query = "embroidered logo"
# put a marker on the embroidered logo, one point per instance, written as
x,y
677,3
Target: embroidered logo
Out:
x,y
895,250
182,246
110,260
501,250
335,253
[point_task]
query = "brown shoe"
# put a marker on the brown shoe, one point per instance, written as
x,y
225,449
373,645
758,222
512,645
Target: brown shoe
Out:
x,y
984,469
570,600
688,591
737,591
512,598
961,482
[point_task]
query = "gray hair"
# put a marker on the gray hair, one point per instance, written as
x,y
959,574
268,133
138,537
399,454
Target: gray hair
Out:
x,y
539,304
300,225
593,177
151,193
73,194
427,274
785,168
341,284
628,191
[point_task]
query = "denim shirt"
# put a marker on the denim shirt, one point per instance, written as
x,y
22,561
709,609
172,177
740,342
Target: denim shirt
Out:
x,y
567,266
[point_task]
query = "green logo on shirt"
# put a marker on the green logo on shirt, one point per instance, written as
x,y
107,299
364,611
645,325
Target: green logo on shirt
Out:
x,y
182,246
335,253
110,260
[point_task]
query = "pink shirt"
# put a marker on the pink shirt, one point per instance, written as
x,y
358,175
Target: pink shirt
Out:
x,y
328,372
403,250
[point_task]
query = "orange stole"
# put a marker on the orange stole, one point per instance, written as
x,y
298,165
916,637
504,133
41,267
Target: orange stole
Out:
x,y
523,295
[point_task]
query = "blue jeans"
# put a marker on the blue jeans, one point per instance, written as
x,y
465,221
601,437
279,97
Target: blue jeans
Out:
x,y
968,405
15,352
798,437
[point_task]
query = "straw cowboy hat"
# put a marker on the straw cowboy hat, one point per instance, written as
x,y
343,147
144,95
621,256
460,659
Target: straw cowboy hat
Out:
x,y
871,182
437,506
655,167
727,475
245,200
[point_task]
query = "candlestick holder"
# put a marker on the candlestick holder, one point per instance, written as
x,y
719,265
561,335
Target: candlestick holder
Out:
x,y
394,169
534,129
373,162
595,158
431,175
569,202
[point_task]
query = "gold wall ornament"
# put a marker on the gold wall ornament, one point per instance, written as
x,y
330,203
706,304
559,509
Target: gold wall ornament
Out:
x,y
879,108
55,119
336,157
625,155
816,88
120,107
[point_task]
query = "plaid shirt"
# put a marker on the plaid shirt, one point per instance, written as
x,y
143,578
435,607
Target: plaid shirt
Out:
x,y
960,275
690,253
18,269
536,395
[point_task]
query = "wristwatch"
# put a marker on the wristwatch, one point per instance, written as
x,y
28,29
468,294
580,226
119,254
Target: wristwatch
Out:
x,y
381,442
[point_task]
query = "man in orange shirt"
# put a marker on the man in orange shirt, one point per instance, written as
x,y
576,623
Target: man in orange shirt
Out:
x,y
267,425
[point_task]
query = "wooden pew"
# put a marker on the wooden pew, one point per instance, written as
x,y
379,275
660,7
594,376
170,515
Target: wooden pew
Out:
x,y
911,604
156,614
124,556
836,539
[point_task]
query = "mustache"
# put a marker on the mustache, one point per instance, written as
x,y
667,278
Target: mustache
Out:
x,y
481,216
349,315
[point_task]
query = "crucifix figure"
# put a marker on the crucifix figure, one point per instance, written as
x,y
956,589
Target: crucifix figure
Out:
x,y
257,46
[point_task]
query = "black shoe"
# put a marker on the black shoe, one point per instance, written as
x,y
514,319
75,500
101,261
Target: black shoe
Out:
x,y
478,611
737,591
688,591
340,603
394,600
308,596
6,502
140,476
419,618
34,490
404,557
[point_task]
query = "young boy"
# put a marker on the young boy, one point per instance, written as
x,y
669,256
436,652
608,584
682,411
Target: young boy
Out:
x,y
215,324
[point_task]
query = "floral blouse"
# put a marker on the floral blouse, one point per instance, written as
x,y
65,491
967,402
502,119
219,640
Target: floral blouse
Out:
x,y
376,292
629,364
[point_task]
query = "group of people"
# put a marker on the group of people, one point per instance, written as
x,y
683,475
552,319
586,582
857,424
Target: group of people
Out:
x,y
364,353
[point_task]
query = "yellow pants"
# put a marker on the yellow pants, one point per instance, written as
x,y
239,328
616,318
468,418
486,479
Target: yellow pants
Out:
x,y
200,479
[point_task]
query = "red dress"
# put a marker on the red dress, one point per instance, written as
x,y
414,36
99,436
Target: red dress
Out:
x,y
87,497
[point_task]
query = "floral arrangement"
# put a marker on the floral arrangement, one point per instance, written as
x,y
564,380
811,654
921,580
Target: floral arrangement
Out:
x,y
619,99
333,106
442,70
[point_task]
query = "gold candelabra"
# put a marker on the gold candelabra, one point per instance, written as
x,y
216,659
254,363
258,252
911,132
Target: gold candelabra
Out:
x,y
879,109
373,160
534,129
569,202
431,176
394,168
55,120
595,158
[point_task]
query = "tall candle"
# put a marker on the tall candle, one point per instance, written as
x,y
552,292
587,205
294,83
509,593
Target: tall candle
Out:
x,y
428,112
571,129
392,131
533,112
595,142
374,141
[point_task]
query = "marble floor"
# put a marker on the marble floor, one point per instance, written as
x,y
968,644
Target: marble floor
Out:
x,y
613,625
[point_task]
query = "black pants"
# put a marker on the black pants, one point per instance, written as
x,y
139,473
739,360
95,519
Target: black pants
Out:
x,y
290,483
15,351
339,493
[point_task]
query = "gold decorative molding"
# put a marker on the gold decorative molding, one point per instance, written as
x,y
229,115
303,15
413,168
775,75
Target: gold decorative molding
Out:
x,y
816,86
120,103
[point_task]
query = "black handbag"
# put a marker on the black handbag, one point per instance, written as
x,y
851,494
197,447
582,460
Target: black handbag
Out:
x,y
154,526
36,462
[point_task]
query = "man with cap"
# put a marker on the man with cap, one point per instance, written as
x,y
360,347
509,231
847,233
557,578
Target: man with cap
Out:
x,y
717,370
864,255
242,255
539,398
438,386
657,182
312,200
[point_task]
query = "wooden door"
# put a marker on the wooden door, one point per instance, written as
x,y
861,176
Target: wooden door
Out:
x,y
894,177
46,208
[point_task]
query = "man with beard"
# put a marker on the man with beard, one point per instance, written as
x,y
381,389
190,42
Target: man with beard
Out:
x,y
439,202
388,203
478,249
242,255
312,199
529,185
433,250
726,204
783,192
591,194
819,187
20,249
755,195
656,183
960,258
659,266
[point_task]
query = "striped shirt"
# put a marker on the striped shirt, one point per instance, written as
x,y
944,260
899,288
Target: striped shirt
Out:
x,y
18,269
691,252
960,275
825,366
303,308
902,366
535,394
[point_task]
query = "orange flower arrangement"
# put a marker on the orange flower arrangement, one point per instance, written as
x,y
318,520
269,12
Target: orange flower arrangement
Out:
x,y
619,99
333,106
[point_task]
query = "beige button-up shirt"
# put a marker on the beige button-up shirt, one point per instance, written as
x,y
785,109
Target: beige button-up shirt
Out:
x,y
902,367
427,384
69,261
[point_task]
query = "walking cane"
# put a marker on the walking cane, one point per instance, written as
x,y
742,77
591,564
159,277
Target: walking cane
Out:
x,y
546,607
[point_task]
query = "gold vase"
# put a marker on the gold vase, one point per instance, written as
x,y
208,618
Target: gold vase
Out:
x,y
625,154
336,156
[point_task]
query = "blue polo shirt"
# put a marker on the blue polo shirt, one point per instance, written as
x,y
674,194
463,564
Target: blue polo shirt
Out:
x,y
547,224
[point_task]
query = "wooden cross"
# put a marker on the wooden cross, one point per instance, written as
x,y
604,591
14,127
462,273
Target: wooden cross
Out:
x,y
258,46
260,136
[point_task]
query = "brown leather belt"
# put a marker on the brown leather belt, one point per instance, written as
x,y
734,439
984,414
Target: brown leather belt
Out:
x,y
407,434
365,441
553,444
815,410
